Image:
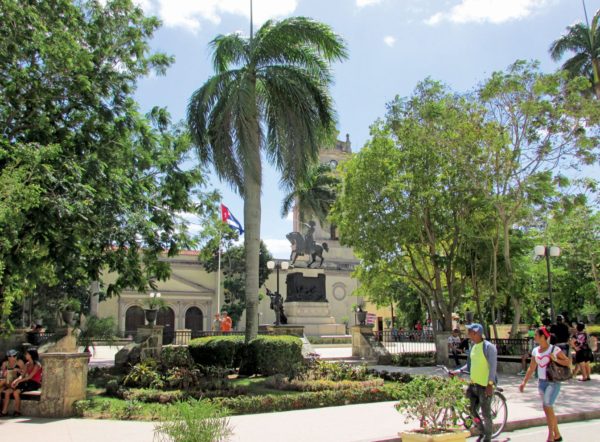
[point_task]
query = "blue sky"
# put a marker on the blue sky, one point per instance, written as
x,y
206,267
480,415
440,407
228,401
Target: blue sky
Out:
x,y
393,44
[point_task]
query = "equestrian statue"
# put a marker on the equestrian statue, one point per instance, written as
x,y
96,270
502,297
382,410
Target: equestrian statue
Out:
x,y
306,245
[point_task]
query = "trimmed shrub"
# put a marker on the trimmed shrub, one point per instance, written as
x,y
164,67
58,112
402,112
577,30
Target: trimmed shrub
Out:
x,y
299,401
269,355
414,359
219,351
281,383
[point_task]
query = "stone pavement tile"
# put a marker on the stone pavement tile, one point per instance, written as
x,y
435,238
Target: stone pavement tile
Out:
x,y
75,430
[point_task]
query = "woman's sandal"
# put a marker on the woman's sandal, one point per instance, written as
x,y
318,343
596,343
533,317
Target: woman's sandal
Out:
x,y
3,414
16,414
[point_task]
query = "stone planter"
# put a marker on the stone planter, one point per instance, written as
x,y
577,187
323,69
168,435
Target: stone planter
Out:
x,y
361,317
68,316
450,436
151,315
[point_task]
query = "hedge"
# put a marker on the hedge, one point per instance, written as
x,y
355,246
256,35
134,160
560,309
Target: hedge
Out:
x,y
217,351
266,355
316,399
269,355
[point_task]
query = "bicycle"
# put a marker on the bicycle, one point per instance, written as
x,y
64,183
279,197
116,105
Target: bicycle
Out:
x,y
499,410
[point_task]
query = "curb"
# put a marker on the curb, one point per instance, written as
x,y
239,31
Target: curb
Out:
x,y
532,422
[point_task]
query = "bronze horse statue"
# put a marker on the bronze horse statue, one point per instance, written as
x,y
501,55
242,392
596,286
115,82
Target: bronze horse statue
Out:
x,y
300,248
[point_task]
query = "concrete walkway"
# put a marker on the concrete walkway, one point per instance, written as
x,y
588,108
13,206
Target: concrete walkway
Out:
x,y
351,423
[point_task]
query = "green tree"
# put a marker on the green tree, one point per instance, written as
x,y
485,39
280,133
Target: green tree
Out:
x,y
410,193
543,120
584,41
233,266
314,194
91,184
269,95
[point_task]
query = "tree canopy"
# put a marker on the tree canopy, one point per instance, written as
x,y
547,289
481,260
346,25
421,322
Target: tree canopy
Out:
x,y
89,184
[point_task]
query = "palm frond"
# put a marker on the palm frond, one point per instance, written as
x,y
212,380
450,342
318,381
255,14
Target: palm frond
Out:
x,y
229,50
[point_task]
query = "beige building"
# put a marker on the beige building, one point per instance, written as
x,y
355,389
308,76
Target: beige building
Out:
x,y
191,292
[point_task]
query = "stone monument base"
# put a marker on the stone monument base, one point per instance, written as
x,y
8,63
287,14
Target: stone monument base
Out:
x,y
314,316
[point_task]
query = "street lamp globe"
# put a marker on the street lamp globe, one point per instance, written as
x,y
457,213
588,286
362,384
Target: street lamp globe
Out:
x,y
539,250
270,265
285,265
554,251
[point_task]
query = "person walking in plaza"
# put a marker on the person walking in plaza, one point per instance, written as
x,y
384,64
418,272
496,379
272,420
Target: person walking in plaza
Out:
x,y
226,322
583,353
561,334
482,362
217,323
454,341
542,356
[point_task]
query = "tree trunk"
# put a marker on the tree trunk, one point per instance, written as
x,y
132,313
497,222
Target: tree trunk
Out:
x,y
596,68
595,275
252,216
516,302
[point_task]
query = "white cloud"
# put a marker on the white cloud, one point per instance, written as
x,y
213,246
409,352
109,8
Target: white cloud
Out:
x,y
493,11
279,248
363,3
290,216
389,40
189,14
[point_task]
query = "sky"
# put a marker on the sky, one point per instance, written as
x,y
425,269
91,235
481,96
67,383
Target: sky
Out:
x,y
393,44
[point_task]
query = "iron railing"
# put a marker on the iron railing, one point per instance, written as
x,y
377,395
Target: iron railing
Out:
x,y
397,342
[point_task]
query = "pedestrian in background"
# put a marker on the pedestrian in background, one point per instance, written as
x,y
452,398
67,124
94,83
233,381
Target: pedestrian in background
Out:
x,y
542,356
583,353
561,334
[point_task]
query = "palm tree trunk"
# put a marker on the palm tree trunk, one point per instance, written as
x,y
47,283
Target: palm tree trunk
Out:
x,y
252,213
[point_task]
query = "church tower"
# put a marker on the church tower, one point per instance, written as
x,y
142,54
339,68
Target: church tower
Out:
x,y
337,256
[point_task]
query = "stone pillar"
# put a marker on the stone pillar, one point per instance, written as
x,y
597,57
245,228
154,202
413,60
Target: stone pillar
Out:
x,y
150,338
64,382
441,347
366,346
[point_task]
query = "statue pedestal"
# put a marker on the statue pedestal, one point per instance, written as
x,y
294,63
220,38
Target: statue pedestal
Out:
x,y
314,316
64,383
283,330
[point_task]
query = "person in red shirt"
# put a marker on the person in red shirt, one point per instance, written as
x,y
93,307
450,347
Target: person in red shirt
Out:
x,y
30,380
226,322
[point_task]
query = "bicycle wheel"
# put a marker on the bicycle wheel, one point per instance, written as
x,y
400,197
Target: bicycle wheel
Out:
x,y
499,413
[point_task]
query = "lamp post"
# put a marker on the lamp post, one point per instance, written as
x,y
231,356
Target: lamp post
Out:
x,y
278,265
548,252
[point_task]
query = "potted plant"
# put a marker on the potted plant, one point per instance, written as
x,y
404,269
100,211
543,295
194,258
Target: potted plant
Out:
x,y
153,304
68,308
590,310
346,321
437,404
361,314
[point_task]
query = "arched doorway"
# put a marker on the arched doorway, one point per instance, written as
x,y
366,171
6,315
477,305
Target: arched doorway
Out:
x,y
194,320
166,318
134,318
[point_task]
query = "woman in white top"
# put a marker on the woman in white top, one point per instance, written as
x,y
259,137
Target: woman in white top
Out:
x,y
541,357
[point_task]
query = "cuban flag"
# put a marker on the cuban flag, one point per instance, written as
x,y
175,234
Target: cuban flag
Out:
x,y
231,220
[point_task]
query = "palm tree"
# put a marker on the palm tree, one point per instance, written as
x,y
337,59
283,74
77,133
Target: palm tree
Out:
x,y
584,41
314,195
269,95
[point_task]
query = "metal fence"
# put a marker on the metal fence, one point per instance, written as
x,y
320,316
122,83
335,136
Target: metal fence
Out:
x,y
397,342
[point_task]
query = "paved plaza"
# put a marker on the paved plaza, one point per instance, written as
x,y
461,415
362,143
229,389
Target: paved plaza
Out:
x,y
351,423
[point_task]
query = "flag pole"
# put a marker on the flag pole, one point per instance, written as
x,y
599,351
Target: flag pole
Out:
x,y
219,279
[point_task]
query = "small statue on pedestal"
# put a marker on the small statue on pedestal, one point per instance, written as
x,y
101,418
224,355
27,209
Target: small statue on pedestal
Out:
x,y
277,307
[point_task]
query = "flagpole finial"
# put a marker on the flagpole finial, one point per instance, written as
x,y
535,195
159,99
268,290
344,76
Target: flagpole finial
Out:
x,y
251,21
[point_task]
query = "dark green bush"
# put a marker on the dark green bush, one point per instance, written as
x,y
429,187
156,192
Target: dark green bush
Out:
x,y
414,359
269,355
219,351
176,356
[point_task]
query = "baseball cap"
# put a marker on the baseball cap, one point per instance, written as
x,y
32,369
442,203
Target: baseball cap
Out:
x,y
11,353
476,328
